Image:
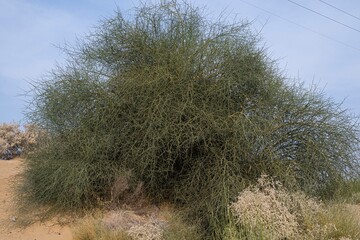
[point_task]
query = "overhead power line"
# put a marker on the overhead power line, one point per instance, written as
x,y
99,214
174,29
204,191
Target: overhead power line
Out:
x,y
302,26
320,14
349,14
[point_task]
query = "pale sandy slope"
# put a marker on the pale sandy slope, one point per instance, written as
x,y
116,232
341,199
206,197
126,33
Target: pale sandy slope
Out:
x,y
8,230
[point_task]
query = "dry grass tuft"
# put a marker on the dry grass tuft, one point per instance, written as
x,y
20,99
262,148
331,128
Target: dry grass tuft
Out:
x,y
151,223
142,224
93,229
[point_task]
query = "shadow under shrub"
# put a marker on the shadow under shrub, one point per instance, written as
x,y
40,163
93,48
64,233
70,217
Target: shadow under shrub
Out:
x,y
194,109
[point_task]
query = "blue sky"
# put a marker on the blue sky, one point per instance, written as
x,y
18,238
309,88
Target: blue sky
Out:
x,y
30,30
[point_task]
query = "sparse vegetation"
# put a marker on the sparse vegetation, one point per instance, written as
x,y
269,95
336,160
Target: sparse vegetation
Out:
x,y
193,109
14,141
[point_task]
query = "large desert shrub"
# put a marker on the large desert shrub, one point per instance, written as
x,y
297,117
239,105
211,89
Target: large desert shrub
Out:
x,y
194,109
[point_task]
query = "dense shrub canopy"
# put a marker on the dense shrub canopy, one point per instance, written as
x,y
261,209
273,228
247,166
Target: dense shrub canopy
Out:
x,y
193,108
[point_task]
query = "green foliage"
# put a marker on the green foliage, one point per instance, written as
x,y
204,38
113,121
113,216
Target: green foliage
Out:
x,y
348,192
193,108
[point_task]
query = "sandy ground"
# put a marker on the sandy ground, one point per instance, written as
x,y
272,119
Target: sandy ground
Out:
x,y
50,230
8,230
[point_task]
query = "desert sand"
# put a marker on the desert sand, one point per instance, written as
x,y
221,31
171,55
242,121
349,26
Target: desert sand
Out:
x,y
8,228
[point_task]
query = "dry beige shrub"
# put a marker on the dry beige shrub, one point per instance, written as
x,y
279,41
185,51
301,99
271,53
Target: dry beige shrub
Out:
x,y
14,141
11,134
32,133
3,144
33,136
263,209
11,140
268,211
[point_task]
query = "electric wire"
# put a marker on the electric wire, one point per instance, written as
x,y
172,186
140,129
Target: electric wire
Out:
x,y
302,26
320,14
347,13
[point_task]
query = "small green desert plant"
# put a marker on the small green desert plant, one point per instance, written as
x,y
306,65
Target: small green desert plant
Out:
x,y
194,109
